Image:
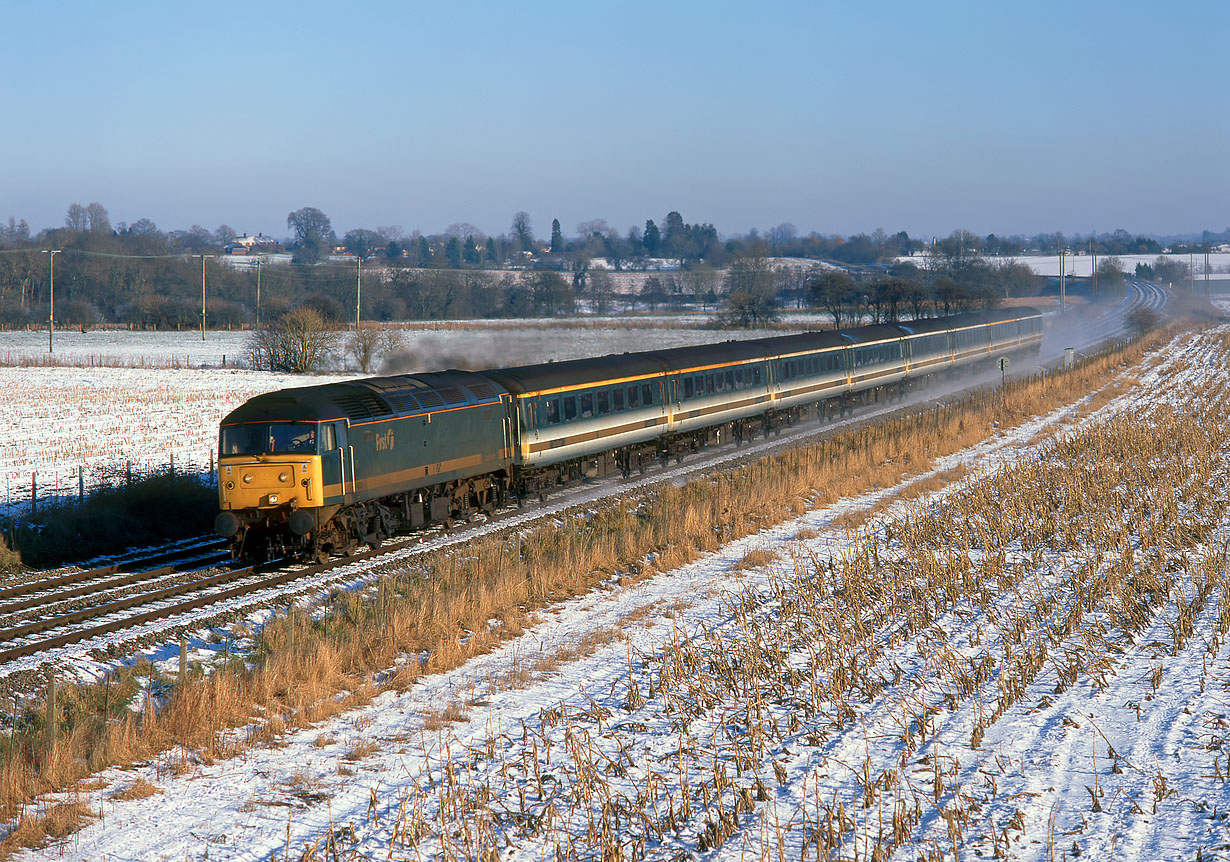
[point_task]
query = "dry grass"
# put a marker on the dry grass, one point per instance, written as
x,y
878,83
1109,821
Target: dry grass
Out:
x,y
45,826
442,608
451,714
361,749
139,789
756,558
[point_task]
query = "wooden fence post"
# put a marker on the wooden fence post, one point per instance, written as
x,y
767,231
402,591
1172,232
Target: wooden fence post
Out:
x,y
53,715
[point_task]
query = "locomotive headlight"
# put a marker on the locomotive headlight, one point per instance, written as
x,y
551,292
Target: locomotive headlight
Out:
x,y
273,498
247,478
283,478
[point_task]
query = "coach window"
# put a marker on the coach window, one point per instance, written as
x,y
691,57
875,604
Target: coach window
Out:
x,y
617,400
587,405
634,396
756,376
647,395
552,416
603,403
328,438
687,387
570,408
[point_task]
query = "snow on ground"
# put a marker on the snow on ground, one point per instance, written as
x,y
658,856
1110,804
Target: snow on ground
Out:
x,y
1082,264
479,343
739,713
59,420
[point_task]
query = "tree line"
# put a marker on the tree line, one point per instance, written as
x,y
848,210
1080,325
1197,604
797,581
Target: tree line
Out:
x,y
139,275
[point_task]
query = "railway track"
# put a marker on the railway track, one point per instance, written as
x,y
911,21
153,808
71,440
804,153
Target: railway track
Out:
x,y
177,590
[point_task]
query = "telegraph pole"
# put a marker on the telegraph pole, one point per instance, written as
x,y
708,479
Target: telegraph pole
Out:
x,y
1093,254
1063,295
51,305
202,297
258,293
358,294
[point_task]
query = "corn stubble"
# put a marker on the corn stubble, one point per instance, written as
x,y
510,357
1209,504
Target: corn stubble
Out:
x,y
800,661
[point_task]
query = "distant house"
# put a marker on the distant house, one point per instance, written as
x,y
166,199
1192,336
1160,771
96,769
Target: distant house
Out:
x,y
250,244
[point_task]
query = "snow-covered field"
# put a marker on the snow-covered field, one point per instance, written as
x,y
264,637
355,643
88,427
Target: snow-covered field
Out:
x,y
428,347
1082,264
61,420
1029,663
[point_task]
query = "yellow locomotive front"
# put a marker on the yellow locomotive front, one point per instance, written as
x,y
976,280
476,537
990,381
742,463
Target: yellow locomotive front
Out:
x,y
269,481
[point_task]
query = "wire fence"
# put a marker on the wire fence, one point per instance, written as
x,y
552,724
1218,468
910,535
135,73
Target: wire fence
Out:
x,y
61,486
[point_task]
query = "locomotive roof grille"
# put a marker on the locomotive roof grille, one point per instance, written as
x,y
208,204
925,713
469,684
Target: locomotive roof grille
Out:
x,y
429,398
403,402
451,395
363,405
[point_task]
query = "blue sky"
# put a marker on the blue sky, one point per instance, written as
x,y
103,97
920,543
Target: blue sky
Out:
x,y
836,116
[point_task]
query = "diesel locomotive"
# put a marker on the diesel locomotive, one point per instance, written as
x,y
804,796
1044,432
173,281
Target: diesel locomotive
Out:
x,y
318,470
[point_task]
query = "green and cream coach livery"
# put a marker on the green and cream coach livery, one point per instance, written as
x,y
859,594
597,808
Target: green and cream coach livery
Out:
x,y
318,470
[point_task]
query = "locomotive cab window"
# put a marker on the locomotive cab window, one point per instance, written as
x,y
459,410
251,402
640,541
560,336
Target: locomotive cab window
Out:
x,y
279,438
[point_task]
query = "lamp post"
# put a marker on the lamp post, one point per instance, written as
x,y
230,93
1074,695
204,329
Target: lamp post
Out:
x,y
51,305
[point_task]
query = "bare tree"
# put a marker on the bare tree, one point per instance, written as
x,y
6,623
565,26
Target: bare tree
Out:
x,y
751,292
98,220
699,280
75,218
599,290
835,292
523,231
368,345
299,342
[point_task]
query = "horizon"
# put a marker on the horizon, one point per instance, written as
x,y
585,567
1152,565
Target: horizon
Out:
x,y
838,121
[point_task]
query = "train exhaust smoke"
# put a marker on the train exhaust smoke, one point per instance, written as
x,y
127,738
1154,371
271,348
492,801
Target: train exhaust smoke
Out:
x,y
476,351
